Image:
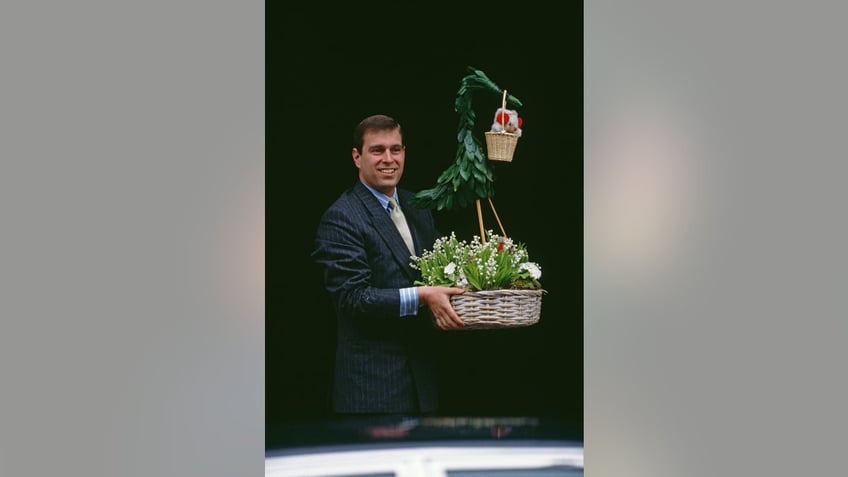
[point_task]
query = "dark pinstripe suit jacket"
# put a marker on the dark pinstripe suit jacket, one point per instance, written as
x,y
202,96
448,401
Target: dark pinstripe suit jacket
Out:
x,y
384,362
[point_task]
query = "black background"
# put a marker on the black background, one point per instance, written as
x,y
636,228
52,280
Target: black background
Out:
x,y
326,70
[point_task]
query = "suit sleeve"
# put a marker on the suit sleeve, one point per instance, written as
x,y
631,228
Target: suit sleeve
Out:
x,y
358,272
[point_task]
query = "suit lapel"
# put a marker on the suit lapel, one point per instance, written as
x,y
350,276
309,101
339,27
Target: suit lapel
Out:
x,y
384,226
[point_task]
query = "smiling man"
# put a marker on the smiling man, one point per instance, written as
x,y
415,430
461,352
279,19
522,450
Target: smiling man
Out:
x,y
385,362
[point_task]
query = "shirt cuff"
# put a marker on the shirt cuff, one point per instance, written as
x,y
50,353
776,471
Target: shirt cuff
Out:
x,y
409,301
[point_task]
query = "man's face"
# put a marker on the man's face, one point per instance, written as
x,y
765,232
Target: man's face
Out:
x,y
380,162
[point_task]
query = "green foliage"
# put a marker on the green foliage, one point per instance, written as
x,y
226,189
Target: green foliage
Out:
x,y
470,176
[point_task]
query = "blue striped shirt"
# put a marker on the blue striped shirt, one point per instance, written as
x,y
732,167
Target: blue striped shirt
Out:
x,y
409,295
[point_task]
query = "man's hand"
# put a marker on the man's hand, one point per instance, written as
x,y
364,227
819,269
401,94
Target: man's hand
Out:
x,y
438,300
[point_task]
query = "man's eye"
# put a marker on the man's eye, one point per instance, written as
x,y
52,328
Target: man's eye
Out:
x,y
378,150
397,149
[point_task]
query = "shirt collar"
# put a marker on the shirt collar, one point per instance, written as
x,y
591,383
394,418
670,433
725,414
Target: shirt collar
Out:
x,y
384,200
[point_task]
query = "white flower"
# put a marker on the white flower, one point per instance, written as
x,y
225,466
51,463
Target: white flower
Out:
x,y
461,281
450,269
533,268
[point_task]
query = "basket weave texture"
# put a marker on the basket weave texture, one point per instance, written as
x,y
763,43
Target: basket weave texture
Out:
x,y
500,146
490,309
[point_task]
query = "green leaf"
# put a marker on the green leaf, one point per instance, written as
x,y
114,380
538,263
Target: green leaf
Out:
x,y
480,165
479,176
464,171
446,174
460,136
469,142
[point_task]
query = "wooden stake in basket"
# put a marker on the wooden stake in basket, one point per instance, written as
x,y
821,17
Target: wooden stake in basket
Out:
x,y
480,220
500,146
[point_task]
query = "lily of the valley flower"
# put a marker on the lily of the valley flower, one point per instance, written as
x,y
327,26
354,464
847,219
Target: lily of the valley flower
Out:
x,y
495,264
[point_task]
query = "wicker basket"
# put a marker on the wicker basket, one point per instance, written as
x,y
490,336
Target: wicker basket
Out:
x,y
490,309
501,145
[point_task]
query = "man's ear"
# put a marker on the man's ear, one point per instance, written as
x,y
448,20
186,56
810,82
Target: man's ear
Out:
x,y
357,158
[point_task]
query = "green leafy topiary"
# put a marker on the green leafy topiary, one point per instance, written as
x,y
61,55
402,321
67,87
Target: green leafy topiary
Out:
x,y
470,177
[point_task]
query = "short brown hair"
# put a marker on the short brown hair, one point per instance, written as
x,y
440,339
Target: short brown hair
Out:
x,y
378,122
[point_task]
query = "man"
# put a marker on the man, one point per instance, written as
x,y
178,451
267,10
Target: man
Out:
x,y
385,342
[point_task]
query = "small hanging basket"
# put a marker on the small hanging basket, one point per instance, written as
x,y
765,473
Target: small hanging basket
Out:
x,y
500,145
492,309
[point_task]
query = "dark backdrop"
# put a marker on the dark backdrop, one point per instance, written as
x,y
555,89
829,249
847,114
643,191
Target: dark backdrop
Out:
x,y
326,70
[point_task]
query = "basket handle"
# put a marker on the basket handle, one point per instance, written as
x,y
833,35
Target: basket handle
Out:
x,y
503,110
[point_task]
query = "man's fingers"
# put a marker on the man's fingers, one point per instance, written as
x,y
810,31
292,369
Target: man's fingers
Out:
x,y
450,323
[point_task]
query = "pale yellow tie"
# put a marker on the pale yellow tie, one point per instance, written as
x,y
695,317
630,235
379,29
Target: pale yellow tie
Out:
x,y
400,223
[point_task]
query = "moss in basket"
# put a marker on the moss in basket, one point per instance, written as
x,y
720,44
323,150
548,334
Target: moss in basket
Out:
x,y
499,263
